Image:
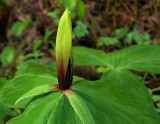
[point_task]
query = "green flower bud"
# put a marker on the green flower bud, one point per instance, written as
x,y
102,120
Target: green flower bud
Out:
x,y
63,51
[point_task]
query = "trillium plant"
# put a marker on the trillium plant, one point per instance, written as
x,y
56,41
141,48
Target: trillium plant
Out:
x,y
119,97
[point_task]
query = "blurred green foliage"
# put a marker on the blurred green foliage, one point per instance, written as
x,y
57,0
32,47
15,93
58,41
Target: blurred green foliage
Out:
x,y
138,37
7,56
6,2
80,30
108,41
125,35
18,27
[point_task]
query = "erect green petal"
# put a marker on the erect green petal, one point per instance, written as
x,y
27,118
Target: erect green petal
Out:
x,y
63,47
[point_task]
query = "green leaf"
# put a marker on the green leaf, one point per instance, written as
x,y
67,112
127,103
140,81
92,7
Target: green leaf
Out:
x,y
117,100
113,101
3,112
35,92
40,111
28,77
122,77
144,58
53,108
81,9
3,81
79,107
87,56
70,4
7,56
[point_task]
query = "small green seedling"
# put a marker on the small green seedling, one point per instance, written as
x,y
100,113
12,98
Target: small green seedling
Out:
x,y
120,99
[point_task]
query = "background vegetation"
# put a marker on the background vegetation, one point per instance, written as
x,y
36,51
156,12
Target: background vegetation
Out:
x,y
28,32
